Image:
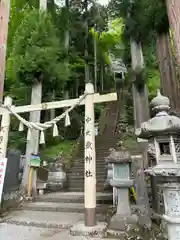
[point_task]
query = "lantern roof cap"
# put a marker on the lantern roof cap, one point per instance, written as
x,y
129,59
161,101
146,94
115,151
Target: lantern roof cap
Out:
x,y
160,102
118,156
162,123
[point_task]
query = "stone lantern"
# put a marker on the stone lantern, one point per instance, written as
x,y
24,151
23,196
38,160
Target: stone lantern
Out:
x,y
163,130
121,162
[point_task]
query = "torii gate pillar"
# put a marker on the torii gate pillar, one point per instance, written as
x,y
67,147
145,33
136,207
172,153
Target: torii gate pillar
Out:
x,y
90,159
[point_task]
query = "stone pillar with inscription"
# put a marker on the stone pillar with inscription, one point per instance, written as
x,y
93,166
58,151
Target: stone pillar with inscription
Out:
x,y
162,131
90,159
90,227
122,182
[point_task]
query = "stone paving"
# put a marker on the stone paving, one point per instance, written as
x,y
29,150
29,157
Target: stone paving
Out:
x,y
12,232
22,231
42,219
38,224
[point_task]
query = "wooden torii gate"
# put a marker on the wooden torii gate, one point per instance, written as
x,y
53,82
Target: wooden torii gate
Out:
x,y
4,18
89,135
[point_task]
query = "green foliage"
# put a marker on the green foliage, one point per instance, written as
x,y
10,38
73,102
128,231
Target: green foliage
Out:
x,y
153,82
140,77
152,68
18,11
141,17
37,53
111,40
17,140
65,147
143,20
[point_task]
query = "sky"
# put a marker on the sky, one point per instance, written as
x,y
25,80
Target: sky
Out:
x,y
103,2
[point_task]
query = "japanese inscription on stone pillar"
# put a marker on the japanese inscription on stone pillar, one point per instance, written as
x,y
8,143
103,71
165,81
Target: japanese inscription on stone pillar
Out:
x,y
88,148
2,154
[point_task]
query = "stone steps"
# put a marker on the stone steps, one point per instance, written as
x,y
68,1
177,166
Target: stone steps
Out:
x,y
74,197
62,207
99,168
99,185
100,158
100,171
75,181
103,138
80,161
68,202
51,220
102,143
80,165
103,147
80,183
81,188
79,173
53,213
81,178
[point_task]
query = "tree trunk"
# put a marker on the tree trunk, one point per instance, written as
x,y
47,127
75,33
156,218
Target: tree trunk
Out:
x,y
102,77
173,10
141,114
95,60
66,97
66,34
77,88
87,79
140,95
169,81
33,144
52,111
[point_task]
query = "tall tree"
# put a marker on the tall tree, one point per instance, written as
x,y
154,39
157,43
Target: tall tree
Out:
x,y
36,57
18,10
128,9
148,20
168,76
173,9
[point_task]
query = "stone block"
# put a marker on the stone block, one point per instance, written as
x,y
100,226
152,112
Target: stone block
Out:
x,y
120,222
98,231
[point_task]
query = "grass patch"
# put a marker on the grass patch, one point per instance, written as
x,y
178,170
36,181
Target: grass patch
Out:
x,y
65,147
130,141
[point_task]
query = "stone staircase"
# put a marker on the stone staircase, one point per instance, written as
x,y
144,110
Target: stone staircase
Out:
x,y
76,174
67,202
107,138
53,216
57,210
